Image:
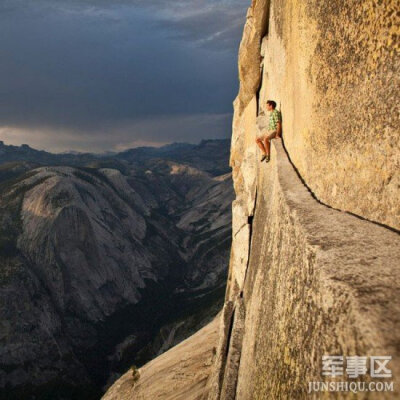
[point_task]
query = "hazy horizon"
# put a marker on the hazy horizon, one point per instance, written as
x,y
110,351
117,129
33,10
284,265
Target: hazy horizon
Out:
x,y
152,145
84,75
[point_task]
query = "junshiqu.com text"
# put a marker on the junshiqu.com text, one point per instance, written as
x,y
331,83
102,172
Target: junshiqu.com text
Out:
x,y
353,387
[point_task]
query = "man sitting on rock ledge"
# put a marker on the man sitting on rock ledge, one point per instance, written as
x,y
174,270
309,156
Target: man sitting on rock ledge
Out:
x,y
274,129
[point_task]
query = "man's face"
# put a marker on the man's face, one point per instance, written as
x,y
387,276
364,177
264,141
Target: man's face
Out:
x,y
269,107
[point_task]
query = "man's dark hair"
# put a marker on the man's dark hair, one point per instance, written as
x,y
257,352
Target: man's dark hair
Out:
x,y
271,103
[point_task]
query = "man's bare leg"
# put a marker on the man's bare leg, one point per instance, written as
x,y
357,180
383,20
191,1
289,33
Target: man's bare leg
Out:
x,y
260,144
267,144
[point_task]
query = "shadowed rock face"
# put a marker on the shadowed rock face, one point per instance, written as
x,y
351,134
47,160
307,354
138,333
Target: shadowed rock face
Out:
x,y
91,258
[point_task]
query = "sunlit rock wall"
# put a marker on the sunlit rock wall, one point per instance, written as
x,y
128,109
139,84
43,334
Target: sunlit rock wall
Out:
x,y
306,277
333,68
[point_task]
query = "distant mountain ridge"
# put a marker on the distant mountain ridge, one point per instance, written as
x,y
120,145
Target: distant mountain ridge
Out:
x,y
213,154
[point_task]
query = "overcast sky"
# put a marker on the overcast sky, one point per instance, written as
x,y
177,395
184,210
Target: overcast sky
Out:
x,y
107,75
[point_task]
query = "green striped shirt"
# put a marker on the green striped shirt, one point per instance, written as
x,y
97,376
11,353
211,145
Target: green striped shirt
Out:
x,y
274,118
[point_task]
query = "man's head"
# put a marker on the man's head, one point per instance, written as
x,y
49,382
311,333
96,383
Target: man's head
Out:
x,y
271,105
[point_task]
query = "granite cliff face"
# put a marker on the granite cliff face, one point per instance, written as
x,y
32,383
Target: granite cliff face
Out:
x,y
306,277
315,258
333,71
95,262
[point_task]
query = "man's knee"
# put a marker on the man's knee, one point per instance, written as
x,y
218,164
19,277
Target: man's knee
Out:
x,y
259,140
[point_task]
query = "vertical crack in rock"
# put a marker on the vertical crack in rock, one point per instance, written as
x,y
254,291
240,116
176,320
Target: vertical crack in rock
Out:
x,y
229,336
250,220
216,378
258,92
249,53
228,391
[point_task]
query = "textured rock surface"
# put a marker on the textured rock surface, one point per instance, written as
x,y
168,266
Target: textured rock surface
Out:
x,y
179,374
318,281
308,279
333,69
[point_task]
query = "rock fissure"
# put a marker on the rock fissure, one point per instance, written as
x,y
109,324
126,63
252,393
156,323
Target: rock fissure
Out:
x,y
250,219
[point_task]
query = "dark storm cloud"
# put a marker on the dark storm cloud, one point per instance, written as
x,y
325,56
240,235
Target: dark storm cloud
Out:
x,y
88,74
212,23
215,23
